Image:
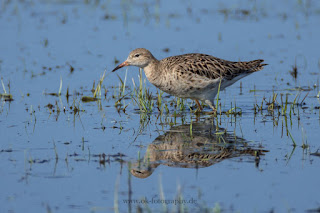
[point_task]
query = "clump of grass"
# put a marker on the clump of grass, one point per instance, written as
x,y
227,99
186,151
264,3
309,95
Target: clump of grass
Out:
x,y
233,111
160,101
6,96
284,109
145,101
119,91
59,92
180,103
120,94
76,107
272,103
142,96
97,91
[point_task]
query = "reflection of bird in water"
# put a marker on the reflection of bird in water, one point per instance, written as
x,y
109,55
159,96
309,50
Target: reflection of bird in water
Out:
x,y
201,147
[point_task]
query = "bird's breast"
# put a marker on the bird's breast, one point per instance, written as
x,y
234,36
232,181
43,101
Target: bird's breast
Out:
x,y
162,80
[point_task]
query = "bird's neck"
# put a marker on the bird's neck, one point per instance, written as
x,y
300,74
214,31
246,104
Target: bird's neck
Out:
x,y
152,70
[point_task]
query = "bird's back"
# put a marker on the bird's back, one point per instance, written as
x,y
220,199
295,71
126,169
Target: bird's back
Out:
x,y
208,66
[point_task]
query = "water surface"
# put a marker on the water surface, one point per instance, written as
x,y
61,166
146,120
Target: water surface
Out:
x,y
60,154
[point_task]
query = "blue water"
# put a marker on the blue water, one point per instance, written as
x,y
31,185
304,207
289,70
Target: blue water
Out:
x,y
53,162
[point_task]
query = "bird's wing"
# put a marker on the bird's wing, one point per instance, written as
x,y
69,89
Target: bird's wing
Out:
x,y
211,67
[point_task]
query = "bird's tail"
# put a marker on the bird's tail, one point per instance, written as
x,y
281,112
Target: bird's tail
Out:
x,y
254,66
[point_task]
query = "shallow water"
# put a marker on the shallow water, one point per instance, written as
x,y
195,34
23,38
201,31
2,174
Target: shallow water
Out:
x,y
58,159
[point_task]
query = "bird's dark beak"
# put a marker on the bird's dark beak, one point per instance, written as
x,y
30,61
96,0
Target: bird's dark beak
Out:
x,y
121,65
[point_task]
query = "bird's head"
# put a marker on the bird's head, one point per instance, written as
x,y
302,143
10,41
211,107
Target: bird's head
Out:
x,y
139,57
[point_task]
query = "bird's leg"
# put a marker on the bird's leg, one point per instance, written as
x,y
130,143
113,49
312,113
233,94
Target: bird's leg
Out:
x,y
199,105
211,105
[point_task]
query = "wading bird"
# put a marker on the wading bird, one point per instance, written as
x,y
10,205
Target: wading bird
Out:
x,y
195,76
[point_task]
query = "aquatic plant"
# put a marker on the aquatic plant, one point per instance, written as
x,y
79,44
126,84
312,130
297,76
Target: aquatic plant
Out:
x,y
97,91
6,95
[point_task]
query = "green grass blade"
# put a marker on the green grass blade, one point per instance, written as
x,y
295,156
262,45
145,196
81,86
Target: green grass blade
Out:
x,y
218,93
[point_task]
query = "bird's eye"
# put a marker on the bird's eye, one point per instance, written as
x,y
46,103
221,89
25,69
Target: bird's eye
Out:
x,y
136,55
